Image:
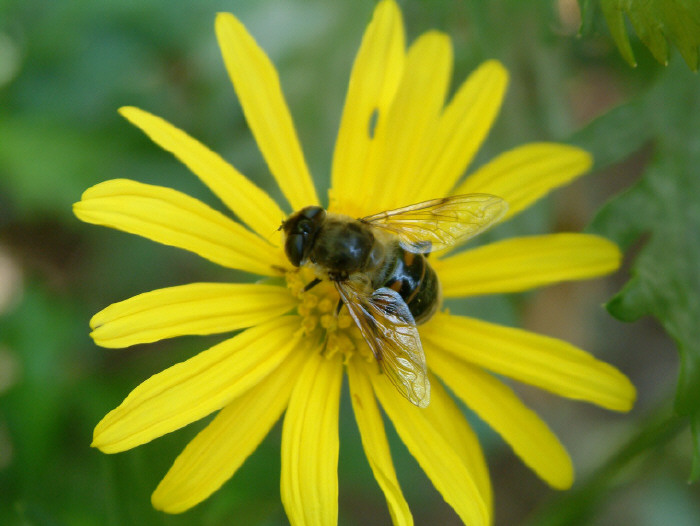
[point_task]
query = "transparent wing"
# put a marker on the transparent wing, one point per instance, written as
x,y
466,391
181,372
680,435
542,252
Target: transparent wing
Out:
x,y
440,223
388,328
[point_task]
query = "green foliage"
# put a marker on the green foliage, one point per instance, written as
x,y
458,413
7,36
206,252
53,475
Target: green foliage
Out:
x,y
662,211
656,22
578,507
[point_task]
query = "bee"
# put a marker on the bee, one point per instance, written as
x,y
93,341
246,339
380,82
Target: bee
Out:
x,y
379,267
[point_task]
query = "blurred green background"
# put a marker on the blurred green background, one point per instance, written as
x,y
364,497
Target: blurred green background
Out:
x,y
65,68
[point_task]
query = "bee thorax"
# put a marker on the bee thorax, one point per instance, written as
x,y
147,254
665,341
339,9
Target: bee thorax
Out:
x,y
343,248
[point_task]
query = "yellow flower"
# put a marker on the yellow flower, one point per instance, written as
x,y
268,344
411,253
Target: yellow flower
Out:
x,y
398,144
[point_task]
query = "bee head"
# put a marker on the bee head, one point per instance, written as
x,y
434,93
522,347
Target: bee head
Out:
x,y
300,229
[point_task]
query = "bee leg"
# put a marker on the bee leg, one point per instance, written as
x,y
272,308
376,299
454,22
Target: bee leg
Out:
x,y
338,307
311,284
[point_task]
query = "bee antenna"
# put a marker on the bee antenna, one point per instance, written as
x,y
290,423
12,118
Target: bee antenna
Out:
x,y
269,236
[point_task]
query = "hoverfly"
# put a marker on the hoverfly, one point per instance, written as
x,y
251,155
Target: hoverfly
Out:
x,y
379,266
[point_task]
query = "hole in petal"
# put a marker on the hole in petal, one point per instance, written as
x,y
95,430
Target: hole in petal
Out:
x,y
373,122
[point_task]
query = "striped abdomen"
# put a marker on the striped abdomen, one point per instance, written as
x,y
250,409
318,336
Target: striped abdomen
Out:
x,y
416,282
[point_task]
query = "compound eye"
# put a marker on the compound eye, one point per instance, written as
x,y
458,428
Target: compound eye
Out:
x,y
300,230
294,248
304,226
312,216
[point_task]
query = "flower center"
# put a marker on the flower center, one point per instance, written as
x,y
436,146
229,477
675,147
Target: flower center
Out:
x,y
318,307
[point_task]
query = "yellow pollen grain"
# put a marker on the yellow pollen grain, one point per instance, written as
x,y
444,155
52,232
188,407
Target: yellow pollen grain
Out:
x,y
344,321
339,342
329,322
310,300
318,310
325,305
309,323
295,285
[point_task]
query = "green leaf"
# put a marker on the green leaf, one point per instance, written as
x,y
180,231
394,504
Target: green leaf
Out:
x,y
663,211
656,22
695,429
579,505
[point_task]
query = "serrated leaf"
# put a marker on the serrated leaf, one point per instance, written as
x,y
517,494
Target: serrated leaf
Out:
x,y
662,211
656,22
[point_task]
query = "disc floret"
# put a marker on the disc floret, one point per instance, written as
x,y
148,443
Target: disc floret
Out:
x,y
321,316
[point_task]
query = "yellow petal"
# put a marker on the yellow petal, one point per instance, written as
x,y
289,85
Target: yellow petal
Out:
x,y
524,174
525,263
374,442
447,418
197,308
462,128
499,406
545,362
196,387
258,88
434,446
375,75
218,451
402,135
251,204
310,444
172,218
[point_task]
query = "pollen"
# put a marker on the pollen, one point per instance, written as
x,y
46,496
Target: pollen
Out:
x,y
329,322
318,307
325,305
339,342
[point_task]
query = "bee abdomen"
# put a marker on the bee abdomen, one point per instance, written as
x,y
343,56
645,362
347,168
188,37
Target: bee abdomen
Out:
x,y
416,282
